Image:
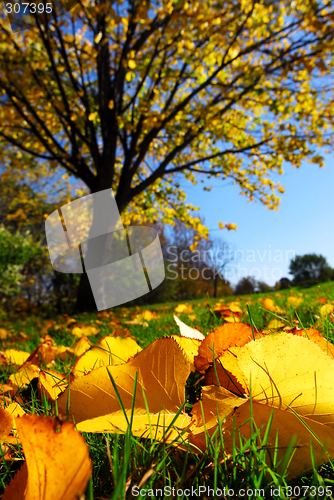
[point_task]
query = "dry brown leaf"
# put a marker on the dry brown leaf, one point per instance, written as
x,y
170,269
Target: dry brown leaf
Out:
x,y
57,463
223,337
162,373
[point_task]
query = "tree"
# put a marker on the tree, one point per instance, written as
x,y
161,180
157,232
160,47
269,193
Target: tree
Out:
x,y
16,250
310,268
217,259
24,204
245,286
133,95
262,286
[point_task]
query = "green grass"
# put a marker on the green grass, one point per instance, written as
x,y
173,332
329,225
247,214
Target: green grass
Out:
x,y
122,462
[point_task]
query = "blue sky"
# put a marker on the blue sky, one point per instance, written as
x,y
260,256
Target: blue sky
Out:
x,y
266,240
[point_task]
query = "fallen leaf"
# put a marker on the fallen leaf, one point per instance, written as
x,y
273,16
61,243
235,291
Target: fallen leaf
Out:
x,y
3,333
86,331
81,346
223,337
317,338
52,383
218,403
57,463
270,306
295,301
189,348
326,309
6,423
288,370
110,350
275,323
183,308
187,331
162,373
145,316
16,357
24,376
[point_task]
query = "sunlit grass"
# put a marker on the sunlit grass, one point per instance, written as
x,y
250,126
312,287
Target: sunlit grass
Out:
x,y
123,462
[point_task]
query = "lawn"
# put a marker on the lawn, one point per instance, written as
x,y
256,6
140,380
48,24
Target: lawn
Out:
x,y
126,465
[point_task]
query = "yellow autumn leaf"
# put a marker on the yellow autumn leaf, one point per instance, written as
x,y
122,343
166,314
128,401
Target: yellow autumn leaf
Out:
x,y
110,350
86,331
16,357
81,346
92,116
57,461
98,37
24,376
132,64
295,301
288,370
183,308
3,334
52,383
275,323
326,309
189,347
162,370
271,306
217,403
145,316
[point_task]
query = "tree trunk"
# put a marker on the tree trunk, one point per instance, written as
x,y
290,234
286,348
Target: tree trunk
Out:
x,y
85,298
215,286
97,252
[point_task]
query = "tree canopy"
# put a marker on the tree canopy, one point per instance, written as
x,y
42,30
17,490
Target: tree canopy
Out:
x,y
132,95
310,268
138,95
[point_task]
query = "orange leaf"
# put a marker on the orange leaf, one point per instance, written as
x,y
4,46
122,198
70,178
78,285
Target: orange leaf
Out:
x,y
223,337
58,464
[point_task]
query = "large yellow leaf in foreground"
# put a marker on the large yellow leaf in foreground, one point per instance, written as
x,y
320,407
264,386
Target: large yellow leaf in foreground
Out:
x,y
287,370
162,373
217,402
57,463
